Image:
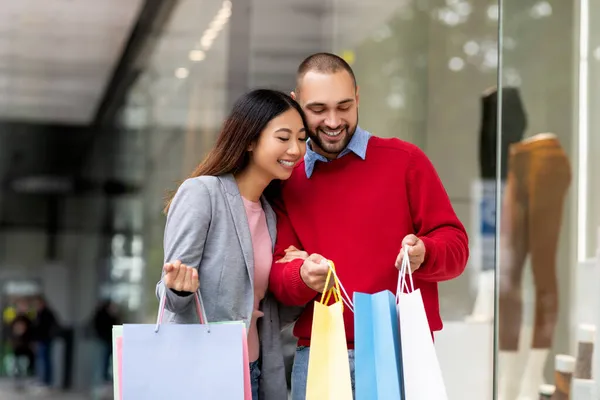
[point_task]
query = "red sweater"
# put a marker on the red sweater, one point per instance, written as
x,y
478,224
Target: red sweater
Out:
x,y
356,212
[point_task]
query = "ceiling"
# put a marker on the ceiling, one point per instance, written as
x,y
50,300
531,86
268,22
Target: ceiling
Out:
x,y
57,56
281,34
162,89
63,77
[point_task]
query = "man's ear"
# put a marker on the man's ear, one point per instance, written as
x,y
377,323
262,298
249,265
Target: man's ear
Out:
x,y
357,97
293,95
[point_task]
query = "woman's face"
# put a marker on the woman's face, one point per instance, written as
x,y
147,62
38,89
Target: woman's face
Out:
x,y
281,145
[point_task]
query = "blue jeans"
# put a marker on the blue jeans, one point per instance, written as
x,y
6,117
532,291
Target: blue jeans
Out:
x,y
254,379
106,362
300,372
44,363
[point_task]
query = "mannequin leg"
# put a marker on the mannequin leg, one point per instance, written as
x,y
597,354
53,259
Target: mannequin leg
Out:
x,y
483,310
509,380
513,245
551,178
512,366
533,375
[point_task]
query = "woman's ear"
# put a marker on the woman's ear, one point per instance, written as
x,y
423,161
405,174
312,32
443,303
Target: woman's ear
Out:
x,y
251,147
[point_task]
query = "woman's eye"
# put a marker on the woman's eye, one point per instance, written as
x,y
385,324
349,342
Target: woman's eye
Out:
x,y
283,139
304,139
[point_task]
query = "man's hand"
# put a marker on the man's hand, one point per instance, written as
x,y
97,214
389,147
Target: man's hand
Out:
x,y
314,272
180,277
416,252
292,253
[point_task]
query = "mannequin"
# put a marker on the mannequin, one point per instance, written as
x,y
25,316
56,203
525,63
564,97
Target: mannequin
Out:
x,y
514,123
539,176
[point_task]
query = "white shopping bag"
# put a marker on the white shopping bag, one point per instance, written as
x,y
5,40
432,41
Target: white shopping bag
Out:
x,y
423,378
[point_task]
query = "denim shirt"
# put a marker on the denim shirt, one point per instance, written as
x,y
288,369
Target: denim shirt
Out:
x,y
357,145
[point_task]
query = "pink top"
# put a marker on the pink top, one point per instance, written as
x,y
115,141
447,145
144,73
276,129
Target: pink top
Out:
x,y
262,247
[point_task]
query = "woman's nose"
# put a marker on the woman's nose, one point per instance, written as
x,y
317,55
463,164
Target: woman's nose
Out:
x,y
294,148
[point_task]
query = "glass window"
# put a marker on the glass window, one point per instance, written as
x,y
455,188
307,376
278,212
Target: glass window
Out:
x,y
427,74
548,270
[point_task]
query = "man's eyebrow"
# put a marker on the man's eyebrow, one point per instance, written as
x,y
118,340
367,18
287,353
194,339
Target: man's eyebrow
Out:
x,y
318,104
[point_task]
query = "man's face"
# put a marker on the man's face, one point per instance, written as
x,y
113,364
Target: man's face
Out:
x,y
330,102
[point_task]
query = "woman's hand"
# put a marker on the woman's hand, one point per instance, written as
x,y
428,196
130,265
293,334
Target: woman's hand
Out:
x,y
180,277
292,253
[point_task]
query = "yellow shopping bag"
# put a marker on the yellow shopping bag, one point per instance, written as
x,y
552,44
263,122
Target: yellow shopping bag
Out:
x,y
328,366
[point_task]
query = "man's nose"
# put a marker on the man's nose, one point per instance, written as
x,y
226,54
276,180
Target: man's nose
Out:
x,y
333,120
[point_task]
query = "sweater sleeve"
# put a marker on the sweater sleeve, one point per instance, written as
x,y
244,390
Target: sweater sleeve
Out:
x,y
435,222
285,281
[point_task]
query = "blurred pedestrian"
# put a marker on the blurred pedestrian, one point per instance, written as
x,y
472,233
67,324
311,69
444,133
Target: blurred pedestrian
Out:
x,y
21,341
105,317
45,330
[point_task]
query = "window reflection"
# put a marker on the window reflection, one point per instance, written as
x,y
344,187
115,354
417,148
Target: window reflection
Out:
x,y
126,270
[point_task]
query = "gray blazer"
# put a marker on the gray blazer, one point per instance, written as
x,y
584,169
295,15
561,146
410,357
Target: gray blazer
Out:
x,y
207,228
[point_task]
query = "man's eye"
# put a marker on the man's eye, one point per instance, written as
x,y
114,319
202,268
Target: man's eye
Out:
x,y
318,111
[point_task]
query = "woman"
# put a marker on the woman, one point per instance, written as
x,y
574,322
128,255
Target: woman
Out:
x,y
221,230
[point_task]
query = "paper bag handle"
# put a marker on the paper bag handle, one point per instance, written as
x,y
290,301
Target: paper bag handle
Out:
x,y
199,309
402,281
335,290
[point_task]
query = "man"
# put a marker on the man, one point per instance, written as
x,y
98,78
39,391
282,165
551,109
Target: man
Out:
x,y
45,329
357,200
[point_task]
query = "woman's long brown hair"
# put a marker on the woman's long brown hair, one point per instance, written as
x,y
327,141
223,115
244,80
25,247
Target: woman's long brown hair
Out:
x,y
250,115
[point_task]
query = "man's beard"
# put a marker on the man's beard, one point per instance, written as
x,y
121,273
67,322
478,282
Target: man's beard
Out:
x,y
333,148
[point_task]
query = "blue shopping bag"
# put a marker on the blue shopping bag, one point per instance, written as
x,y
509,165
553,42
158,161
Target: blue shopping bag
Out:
x,y
377,348
184,361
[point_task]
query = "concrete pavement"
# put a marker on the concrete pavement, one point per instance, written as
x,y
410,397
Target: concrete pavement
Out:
x,y
8,391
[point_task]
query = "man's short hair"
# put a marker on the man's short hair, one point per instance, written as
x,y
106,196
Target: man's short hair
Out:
x,y
327,63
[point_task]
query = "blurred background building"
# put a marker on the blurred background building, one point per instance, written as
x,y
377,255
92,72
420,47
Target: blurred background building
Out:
x,y
105,105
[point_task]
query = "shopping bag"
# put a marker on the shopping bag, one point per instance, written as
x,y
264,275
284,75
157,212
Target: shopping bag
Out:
x,y
377,370
117,343
185,361
423,378
247,383
328,364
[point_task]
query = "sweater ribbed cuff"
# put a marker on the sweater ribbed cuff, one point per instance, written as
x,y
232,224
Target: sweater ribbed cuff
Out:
x,y
300,292
430,252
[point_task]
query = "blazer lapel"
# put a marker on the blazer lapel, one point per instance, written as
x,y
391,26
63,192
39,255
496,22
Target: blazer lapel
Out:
x,y
240,220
